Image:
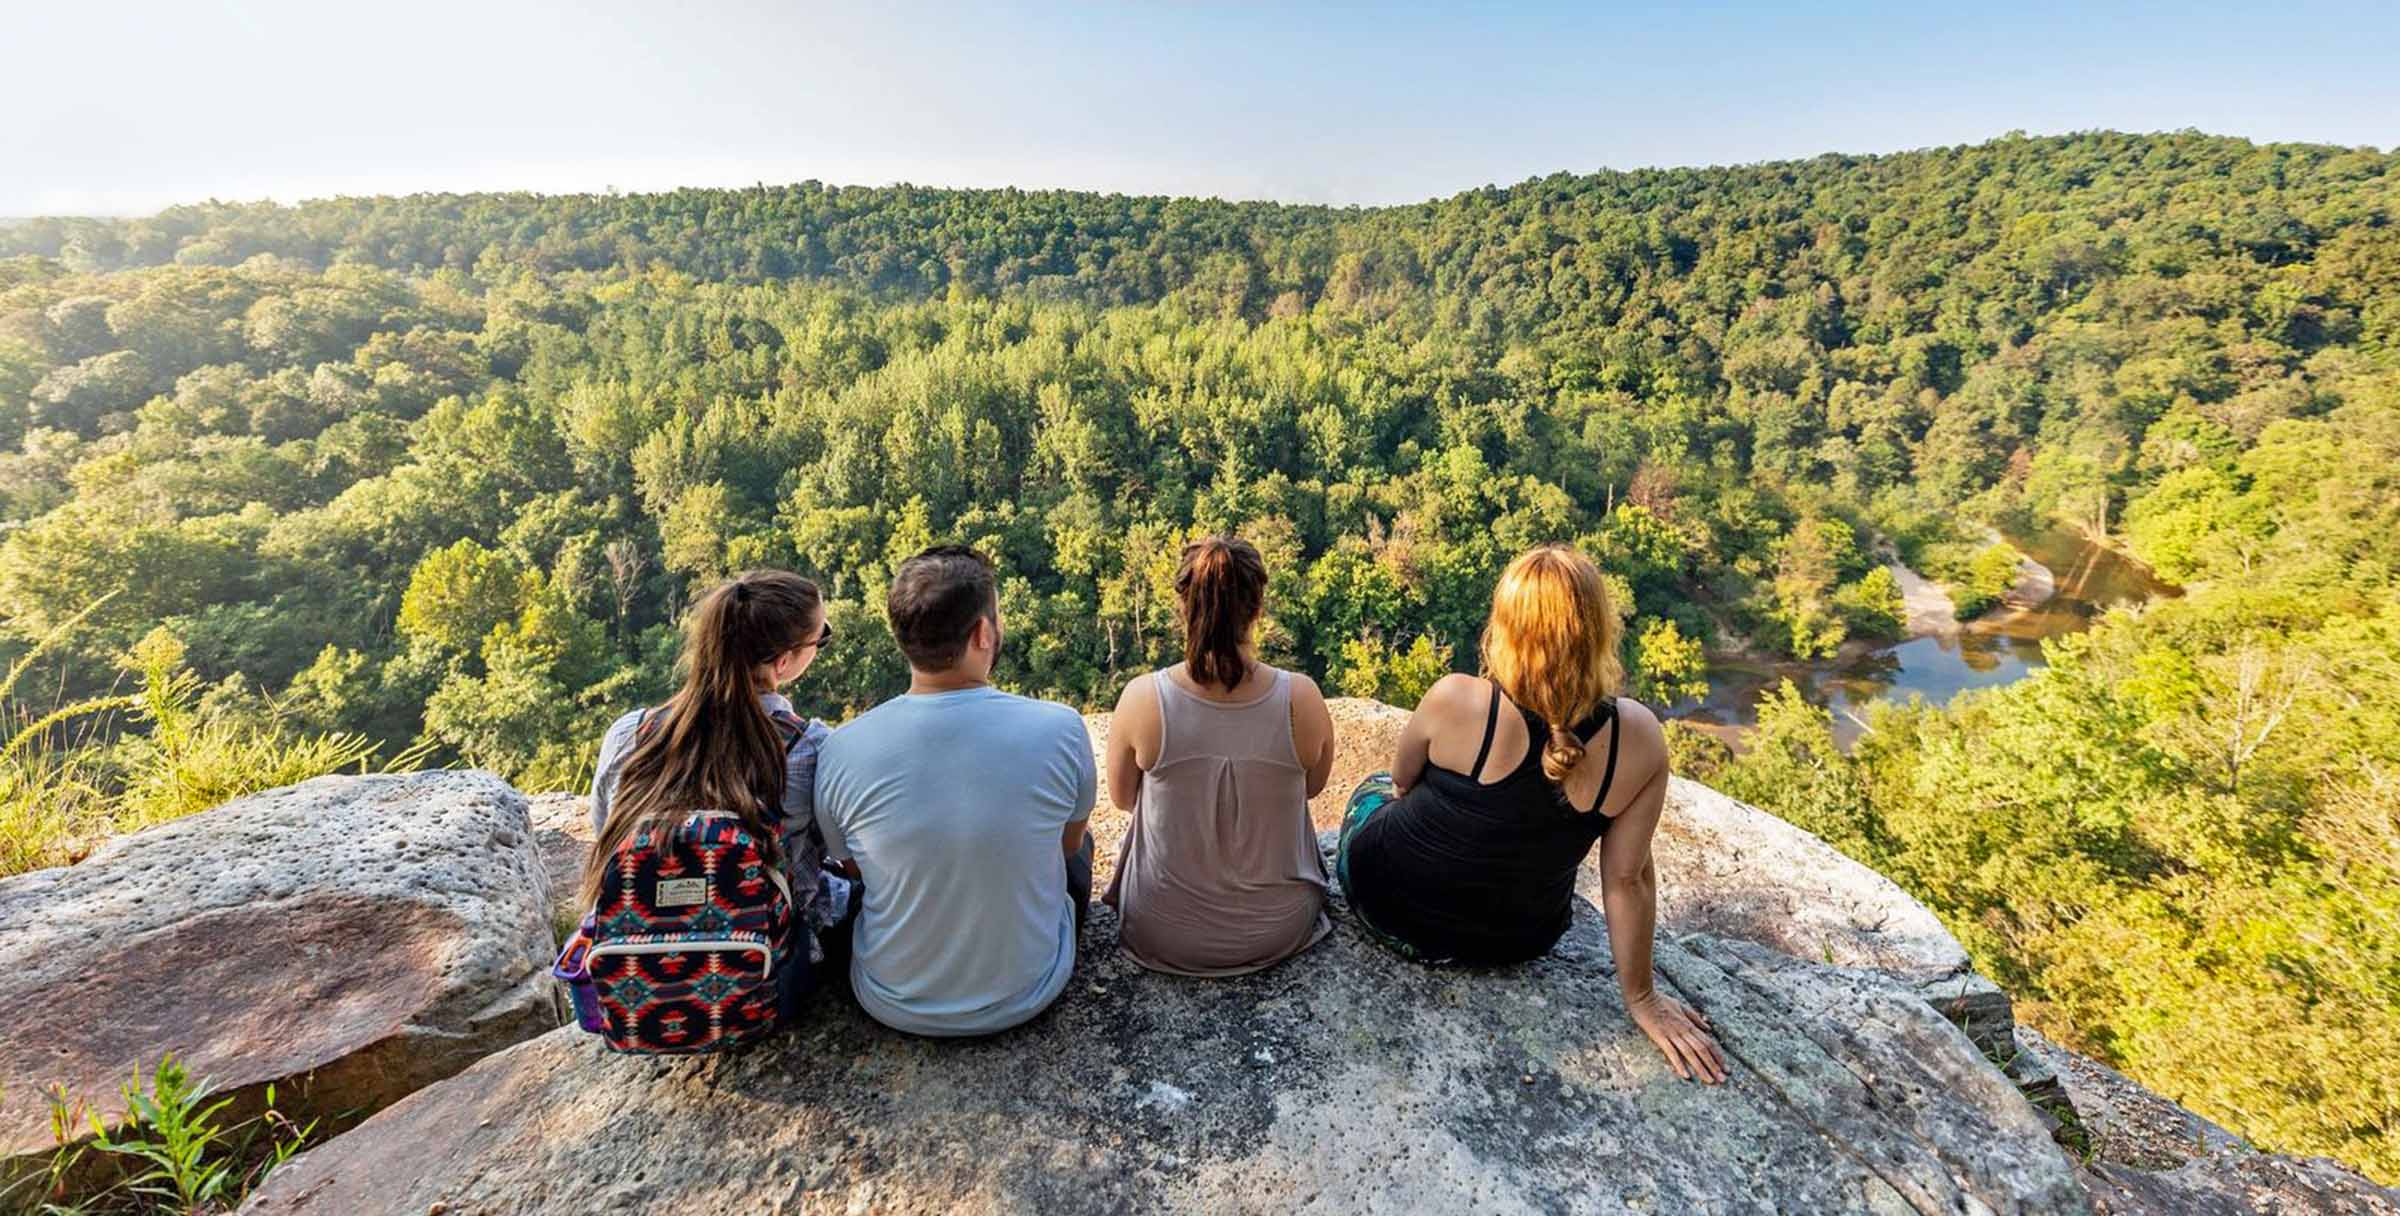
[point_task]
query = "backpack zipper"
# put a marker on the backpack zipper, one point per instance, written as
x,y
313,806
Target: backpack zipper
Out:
x,y
701,946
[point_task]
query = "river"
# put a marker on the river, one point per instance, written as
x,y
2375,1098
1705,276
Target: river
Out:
x,y
2000,647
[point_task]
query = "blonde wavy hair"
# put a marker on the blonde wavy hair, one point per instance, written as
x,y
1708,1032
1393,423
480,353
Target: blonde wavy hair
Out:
x,y
1551,645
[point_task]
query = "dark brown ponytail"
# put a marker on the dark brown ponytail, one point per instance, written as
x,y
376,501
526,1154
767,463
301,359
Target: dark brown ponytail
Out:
x,y
712,745
1223,585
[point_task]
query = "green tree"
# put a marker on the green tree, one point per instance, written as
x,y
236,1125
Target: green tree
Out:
x,y
1372,668
461,593
1664,667
1871,606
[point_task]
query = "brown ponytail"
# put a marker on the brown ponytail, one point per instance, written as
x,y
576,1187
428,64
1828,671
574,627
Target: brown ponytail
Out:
x,y
1223,585
712,745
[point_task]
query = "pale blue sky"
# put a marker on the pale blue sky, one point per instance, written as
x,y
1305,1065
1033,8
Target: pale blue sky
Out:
x,y
125,107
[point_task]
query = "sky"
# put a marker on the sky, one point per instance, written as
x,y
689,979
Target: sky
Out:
x,y
125,107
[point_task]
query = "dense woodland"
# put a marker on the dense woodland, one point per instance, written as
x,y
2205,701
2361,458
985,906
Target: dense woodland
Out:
x,y
428,479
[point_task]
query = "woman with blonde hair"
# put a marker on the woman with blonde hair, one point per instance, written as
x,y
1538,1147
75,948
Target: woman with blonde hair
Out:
x,y
1467,851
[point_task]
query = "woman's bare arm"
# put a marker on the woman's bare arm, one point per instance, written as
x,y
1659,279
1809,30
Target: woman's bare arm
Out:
x,y
1312,732
1136,720
1434,711
1629,891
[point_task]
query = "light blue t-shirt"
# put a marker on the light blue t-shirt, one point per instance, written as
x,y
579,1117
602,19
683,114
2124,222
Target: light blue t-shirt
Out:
x,y
952,804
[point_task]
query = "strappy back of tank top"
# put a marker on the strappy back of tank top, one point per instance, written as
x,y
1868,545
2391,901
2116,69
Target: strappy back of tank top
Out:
x,y
1537,736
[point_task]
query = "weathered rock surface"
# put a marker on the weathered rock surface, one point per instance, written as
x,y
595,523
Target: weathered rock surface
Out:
x,y
2151,1157
1726,870
1344,1080
1730,869
562,831
350,939
2128,1125
2236,1181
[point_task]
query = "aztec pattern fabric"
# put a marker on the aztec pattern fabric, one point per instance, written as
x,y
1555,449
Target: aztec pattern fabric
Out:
x,y
681,953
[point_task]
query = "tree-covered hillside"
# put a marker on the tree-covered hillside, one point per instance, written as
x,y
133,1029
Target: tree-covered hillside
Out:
x,y
445,468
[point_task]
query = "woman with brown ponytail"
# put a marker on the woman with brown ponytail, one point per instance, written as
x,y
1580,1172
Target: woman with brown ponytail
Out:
x,y
1467,851
1216,758
728,740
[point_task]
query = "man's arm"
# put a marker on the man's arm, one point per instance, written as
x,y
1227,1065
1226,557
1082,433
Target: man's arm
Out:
x,y
1087,784
828,799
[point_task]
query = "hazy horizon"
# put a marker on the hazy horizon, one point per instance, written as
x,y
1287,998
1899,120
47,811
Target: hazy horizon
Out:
x,y
1038,187
1339,105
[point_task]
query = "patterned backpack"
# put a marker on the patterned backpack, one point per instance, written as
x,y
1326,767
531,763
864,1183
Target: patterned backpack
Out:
x,y
684,951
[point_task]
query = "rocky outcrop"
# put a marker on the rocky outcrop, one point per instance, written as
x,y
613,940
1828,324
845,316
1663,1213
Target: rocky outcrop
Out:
x,y
1727,868
2151,1157
1344,1080
2237,1181
2125,1123
348,940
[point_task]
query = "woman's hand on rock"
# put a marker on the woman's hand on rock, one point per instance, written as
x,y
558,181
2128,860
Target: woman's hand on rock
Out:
x,y
1682,1034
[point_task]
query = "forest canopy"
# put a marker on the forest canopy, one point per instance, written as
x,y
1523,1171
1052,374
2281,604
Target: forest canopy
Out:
x,y
441,471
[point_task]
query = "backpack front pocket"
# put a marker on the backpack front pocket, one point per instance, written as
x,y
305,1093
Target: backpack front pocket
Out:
x,y
683,992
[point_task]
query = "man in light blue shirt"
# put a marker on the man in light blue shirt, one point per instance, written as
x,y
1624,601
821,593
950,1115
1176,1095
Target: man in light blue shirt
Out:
x,y
963,808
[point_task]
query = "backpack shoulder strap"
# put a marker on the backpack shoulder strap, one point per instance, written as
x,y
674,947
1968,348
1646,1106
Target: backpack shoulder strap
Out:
x,y
793,726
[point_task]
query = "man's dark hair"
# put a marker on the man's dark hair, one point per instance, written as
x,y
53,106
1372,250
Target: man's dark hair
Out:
x,y
936,598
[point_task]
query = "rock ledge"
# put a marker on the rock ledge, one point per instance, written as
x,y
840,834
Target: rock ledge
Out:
x,y
1344,1080
349,939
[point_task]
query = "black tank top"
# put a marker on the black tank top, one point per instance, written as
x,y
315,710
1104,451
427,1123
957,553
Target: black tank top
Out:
x,y
1481,874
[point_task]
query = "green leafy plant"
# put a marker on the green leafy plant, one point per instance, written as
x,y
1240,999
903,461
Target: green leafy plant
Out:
x,y
193,759
175,1140
175,1151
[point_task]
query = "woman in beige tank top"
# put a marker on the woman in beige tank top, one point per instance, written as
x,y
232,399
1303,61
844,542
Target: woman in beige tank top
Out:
x,y
1216,759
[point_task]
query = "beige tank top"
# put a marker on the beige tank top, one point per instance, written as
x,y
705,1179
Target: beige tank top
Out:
x,y
1219,873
